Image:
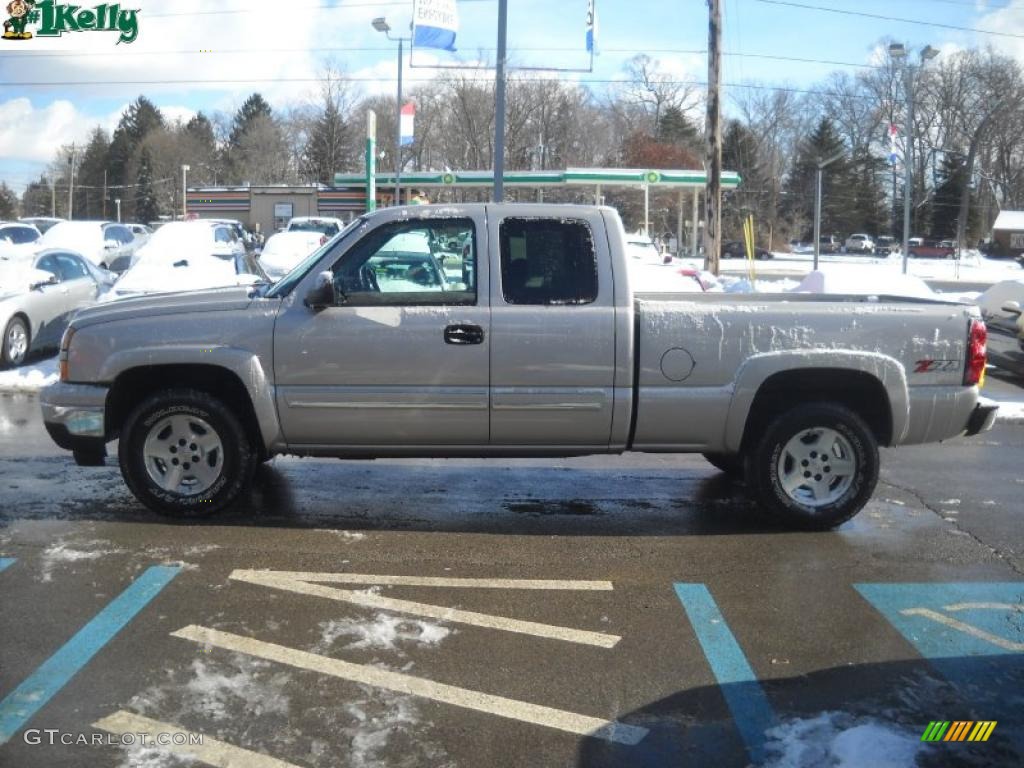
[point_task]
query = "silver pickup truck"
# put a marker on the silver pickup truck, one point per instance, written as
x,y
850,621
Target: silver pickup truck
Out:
x,y
510,330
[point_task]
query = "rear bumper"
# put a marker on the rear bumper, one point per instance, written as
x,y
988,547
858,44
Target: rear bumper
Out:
x,y
982,417
74,416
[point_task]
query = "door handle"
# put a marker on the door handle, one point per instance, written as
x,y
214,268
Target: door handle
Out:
x,y
463,334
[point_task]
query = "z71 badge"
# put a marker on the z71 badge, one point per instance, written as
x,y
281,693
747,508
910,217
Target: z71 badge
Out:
x,y
936,366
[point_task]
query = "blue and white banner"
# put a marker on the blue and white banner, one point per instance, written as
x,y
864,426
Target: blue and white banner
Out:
x,y
434,24
591,27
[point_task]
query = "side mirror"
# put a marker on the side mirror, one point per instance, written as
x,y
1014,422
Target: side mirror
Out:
x,y
321,295
1012,308
39,284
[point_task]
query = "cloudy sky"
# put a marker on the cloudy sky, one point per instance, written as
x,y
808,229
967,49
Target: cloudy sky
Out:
x,y
209,55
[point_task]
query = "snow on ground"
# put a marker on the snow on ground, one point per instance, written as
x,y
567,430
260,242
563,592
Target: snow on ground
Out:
x,y
1011,412
29,378
839,740
384,632
972,267
61,554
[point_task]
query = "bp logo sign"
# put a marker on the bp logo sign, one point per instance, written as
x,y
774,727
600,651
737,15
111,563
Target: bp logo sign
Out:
x,y
50,19
652,177
448,178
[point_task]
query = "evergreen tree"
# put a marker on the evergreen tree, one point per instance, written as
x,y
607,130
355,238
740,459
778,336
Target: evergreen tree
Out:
x,y
740,154
254,120
247,116
36,200
89,202
800,188
866,209
201,149
329,148
674,128
146,207
141,117
8,202
945,204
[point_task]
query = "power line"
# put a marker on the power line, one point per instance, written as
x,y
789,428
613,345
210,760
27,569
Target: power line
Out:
x,y
890,18
310,7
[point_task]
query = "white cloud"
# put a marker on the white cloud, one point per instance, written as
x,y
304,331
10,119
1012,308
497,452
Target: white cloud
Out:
x,y
27,133
1009,20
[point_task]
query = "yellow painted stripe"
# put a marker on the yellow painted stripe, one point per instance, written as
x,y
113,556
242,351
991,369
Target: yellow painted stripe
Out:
x,y
988,731
211,752
979,727
570,722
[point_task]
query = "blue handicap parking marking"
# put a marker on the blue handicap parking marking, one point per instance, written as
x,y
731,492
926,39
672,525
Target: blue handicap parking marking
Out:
x,y
972,634
954,620
747,702
6,562
21,704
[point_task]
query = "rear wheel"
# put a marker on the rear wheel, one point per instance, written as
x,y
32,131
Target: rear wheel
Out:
x,y
185,453
814,467
15,342
729,463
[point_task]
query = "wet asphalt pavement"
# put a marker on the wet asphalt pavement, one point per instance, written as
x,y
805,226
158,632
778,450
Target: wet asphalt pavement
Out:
x,y
651,618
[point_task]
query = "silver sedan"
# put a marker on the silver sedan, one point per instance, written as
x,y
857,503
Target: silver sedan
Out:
x,y
39,294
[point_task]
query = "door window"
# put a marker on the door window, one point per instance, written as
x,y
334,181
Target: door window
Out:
x,y
547,261
410,263
70,267
49,264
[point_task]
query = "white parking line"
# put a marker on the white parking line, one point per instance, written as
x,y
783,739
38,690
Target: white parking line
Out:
x,y
536,714
211,751
436,581
287,582
967,629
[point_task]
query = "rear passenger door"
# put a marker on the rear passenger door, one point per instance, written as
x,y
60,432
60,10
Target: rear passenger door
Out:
x,y
552,331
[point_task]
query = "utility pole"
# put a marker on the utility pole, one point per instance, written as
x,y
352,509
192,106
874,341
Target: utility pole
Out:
x,y
398,131
713,130
71,182
53,198
104,203
371,160
499,104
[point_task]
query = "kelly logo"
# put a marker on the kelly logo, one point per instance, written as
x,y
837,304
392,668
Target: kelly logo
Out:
x,y
54,19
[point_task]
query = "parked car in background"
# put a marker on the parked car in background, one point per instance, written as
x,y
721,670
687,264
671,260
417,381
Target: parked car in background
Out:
x,y
931,249
38,297
141,231
885,245
18,239
188,256
284,250
325,225
1001,307
106,244
829,244
860,244
734,249
42,223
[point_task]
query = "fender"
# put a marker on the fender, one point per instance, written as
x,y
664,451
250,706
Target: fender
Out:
x,y
757,369
243,363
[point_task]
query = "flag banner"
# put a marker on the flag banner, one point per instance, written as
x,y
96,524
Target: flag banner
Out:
x,y
434,24
591,26
406,124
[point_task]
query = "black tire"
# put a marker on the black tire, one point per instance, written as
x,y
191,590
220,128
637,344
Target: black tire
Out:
x,y
762,466
237,465
729,463
6,357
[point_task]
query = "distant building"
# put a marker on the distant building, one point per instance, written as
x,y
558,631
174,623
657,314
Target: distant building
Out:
x,y
268,208
1008,233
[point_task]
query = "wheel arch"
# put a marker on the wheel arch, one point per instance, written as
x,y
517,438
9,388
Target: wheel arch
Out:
x,y
870,384
254,406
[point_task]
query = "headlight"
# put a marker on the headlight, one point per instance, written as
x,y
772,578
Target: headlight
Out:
x,y
65,345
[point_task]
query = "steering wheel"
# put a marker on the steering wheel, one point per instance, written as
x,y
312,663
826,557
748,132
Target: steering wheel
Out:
x,y
368,279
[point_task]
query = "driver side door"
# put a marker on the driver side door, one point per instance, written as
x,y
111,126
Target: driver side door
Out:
x,y
400,359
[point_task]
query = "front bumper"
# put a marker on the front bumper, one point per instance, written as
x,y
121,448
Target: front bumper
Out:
x,y
74,415
982,417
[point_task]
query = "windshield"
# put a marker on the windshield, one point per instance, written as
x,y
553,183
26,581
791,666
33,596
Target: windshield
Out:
x,y
284,286
328,228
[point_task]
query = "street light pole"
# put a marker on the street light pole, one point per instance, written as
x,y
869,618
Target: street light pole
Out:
x,y
381,25
899,52
117,202
184,190
822,165
499,103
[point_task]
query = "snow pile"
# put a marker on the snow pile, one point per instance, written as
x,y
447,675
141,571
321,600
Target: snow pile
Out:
x,y
385,633
162,274
1010,413
838,740
834,280
221,696
60,553
283,251
29,378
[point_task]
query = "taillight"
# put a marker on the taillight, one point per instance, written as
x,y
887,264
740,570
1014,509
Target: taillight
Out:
x,y
977,357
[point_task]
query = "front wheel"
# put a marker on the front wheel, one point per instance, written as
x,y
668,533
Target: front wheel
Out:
x,y
185,453
15,343
814,467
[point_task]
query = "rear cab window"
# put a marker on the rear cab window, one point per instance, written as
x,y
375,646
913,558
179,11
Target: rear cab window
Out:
x,y
547,261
